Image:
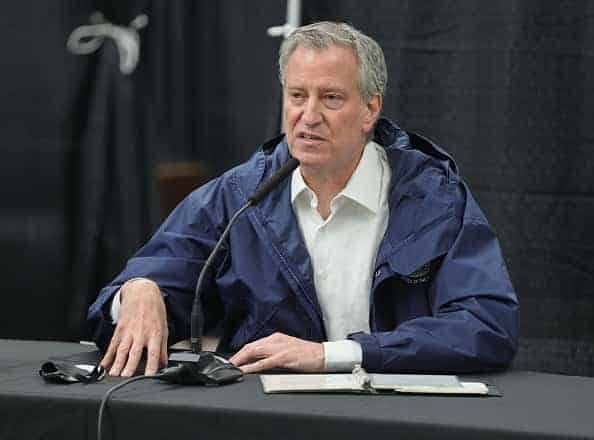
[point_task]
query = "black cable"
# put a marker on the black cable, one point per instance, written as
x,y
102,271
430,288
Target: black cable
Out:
x,y
110,392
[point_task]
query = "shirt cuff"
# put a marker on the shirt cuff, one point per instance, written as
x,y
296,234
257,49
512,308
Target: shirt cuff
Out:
x,y
115,307
342,356
116,302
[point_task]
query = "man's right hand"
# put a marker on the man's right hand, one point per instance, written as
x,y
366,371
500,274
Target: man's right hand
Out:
x,y
142,323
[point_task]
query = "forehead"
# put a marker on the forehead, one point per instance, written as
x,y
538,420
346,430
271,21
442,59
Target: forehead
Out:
x,y
335,65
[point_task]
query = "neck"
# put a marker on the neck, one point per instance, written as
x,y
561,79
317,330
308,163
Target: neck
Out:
x,y
327,184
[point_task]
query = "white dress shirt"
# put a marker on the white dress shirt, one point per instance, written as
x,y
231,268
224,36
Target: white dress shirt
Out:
x,y
343,249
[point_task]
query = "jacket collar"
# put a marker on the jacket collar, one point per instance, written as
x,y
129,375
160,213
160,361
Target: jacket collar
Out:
x,y
423,207
423,199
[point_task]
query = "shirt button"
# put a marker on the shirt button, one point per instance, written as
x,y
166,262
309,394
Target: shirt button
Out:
x,y
378,273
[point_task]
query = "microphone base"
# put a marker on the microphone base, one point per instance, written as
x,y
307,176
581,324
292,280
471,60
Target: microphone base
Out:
x,y
204,368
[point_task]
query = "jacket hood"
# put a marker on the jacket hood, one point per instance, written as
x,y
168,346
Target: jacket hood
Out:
x,y
274,152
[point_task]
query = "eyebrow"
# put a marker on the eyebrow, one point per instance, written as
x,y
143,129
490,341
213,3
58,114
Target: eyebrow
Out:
x,y
334,90
323,89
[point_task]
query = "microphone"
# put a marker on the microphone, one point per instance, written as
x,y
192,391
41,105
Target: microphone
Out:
x,y
282,173
202,367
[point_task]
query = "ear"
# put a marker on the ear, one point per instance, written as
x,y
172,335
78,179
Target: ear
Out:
x,y
372,111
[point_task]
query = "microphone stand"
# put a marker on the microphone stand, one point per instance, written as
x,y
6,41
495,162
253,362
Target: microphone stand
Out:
x,y
198,367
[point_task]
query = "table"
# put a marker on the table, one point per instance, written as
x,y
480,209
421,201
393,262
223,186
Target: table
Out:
x,y
534,405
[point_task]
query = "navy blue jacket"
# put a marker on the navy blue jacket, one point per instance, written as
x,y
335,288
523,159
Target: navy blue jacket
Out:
x,y
441,297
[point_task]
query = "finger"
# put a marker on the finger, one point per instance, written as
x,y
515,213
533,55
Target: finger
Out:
x,y
153,356
262,364
261,349
110,353
133,359
249,353
164,358
121,355
241,357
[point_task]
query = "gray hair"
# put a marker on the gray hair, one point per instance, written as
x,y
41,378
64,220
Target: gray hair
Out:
x,y
373,75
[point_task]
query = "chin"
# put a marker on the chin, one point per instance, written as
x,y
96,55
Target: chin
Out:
x,y
307,155
309,160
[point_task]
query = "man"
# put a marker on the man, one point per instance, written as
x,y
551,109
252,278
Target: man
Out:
x,y
373,252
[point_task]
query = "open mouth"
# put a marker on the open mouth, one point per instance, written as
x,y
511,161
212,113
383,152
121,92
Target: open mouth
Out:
x,y
310,136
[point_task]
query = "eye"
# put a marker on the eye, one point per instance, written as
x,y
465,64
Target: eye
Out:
x,y
333,100
296,97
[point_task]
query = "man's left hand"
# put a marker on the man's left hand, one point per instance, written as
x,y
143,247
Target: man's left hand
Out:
x,y
280,351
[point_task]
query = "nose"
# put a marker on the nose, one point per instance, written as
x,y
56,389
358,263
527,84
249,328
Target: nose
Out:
x,y
311,112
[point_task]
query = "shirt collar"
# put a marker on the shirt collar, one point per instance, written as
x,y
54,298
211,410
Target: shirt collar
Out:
x,y
363,187
298,185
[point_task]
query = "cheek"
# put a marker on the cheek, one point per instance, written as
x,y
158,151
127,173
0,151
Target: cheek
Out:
x,y
346,125
290,119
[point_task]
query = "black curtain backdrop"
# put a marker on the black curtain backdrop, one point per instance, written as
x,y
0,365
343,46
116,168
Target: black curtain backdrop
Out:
x,y
39,88
110,181
508,88
211,79
192,97
505,86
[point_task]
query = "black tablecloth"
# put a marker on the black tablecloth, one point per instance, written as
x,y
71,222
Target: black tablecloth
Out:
x,y
534,405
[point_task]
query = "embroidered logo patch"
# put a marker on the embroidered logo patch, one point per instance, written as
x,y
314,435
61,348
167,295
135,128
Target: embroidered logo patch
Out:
x,y
421,275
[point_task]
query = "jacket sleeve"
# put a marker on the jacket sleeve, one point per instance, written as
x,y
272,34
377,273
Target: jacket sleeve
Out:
x,y
173,259
474,321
